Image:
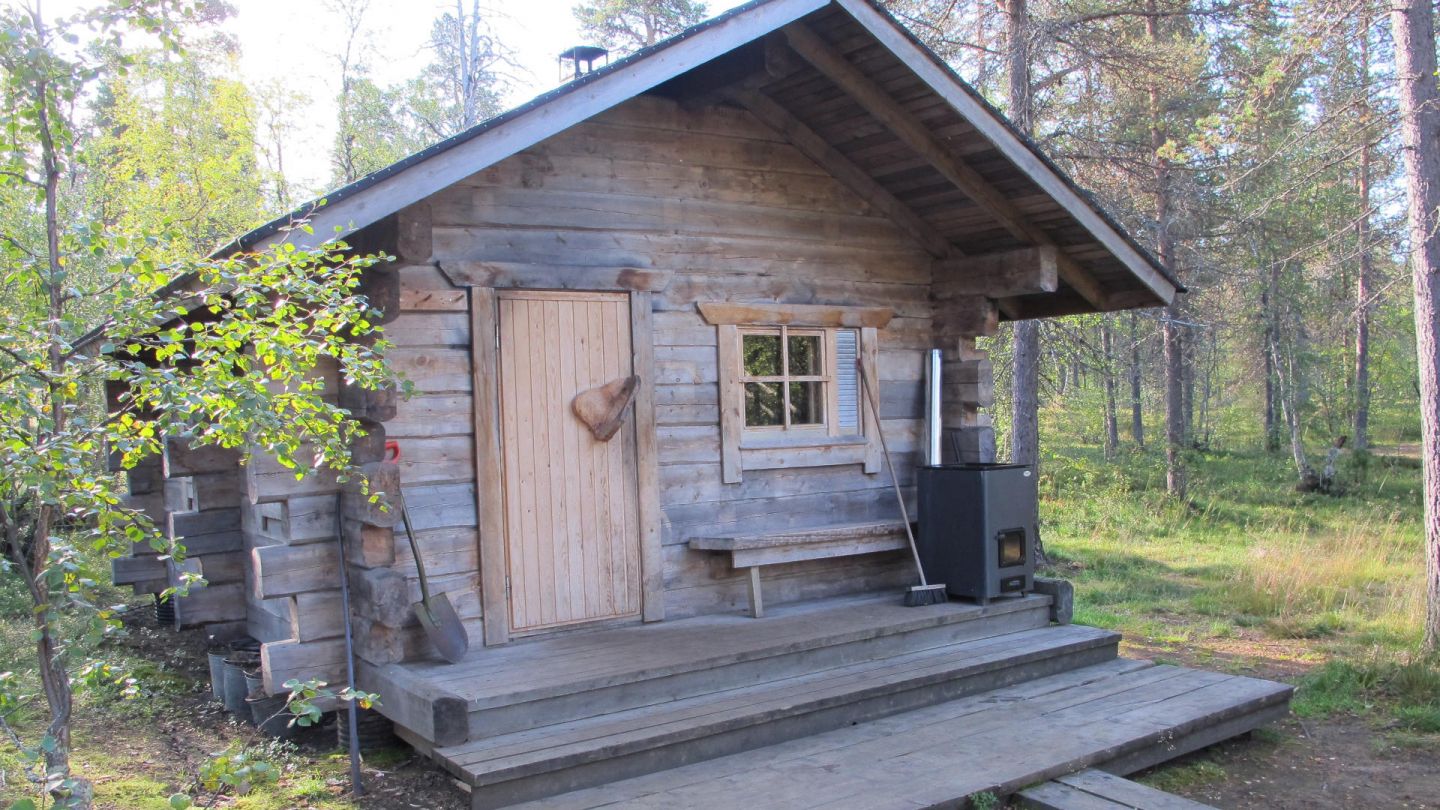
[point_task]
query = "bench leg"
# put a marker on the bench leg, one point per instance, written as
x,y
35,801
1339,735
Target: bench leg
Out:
x,y
757,602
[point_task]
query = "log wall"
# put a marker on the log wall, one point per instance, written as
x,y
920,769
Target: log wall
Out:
x,y
733,213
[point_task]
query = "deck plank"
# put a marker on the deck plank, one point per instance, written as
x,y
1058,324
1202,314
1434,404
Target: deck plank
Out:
x,y
1125,792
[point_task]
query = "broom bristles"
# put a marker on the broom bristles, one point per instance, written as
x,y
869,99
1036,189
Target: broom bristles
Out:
x,y
932,594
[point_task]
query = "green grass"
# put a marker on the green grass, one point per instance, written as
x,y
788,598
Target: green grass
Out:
x,y
1250,575
1187,777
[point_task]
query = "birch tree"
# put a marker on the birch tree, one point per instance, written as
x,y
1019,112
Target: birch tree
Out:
x,y
220,350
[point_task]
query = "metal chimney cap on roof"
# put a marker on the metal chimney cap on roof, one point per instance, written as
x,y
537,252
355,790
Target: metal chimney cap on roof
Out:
x,y
582,55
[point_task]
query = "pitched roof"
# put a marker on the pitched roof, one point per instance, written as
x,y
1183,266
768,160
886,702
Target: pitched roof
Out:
x,y
887,109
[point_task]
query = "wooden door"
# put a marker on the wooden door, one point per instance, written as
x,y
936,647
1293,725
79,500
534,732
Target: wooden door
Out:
x,y
572,529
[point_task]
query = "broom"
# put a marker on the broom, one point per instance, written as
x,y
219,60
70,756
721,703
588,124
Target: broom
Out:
x,y
926,593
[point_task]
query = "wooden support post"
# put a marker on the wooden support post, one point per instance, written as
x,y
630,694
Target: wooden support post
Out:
x,y
757,602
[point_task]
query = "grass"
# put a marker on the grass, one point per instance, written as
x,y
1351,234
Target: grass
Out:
x,y
1251,576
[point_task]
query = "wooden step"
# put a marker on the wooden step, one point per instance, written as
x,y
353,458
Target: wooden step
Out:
x,y
1093,789
1119,715
500,690
545,761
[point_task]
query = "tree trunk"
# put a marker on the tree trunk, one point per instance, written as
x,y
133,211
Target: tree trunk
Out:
x,y
1137,413
1187,355
1267,351
1175,477
1361,382
1413,23
1112,429
1025,379
1292,397
54,679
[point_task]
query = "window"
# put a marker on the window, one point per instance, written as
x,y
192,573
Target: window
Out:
x,y
790,393
791,377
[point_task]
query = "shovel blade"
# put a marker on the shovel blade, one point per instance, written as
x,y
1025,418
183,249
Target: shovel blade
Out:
x,y
443,627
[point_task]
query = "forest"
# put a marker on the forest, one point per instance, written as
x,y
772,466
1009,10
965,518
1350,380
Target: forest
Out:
x,y
1245,480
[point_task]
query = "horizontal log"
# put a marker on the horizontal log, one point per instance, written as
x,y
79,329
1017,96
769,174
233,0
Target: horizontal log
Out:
x,y
976,443
182,457
1027,271
288,570
281,661
222,568
423,288
966,316
266,481
369,546
381,595
214,603
129,570
378,643
375,506
717,313
451,329
553,277
220,490
145,479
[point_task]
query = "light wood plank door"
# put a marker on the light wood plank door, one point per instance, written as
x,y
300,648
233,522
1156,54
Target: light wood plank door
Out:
x,y
572,529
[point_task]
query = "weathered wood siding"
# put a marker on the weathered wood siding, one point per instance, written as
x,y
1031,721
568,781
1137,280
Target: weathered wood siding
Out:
x,y
292,593
736,214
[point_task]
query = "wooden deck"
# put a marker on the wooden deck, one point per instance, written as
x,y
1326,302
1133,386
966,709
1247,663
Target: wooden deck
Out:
x,y
922,705
1123,715
561,677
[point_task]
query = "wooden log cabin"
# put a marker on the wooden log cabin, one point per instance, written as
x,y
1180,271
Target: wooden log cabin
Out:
x,y
734,217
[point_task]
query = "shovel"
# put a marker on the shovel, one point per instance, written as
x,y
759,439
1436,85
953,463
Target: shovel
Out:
x,y
436,614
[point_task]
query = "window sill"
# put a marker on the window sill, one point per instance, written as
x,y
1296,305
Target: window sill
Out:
x,y
814,451
779,440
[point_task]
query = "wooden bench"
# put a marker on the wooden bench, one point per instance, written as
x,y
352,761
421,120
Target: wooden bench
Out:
x,y
753,551
1097,790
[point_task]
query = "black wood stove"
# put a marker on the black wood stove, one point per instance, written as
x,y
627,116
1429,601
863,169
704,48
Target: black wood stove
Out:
x,y
977,528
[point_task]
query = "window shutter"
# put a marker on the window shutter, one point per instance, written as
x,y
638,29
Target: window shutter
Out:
x,y
847,381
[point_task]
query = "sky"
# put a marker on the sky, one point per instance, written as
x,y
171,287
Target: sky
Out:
x,y
297,41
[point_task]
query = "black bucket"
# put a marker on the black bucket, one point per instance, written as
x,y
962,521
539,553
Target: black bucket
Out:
x,y
236,689
269,713
165,611
375,729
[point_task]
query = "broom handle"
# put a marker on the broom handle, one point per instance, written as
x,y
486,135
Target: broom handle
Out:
x,y
894,482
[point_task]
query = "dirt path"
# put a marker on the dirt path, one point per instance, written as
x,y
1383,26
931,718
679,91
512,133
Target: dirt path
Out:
x,y
1329,764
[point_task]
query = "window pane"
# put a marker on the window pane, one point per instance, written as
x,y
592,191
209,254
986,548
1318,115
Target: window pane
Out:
x,y
807,403
762,404
805,356
847,382
762,355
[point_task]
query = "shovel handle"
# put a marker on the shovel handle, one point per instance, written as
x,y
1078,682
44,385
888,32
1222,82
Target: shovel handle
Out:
x,y
415,552
392,455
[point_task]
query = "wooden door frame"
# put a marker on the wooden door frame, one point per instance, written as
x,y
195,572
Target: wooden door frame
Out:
x,y
489,472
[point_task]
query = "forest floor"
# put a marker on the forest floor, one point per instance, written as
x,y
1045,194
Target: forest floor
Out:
x,y
1248,576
